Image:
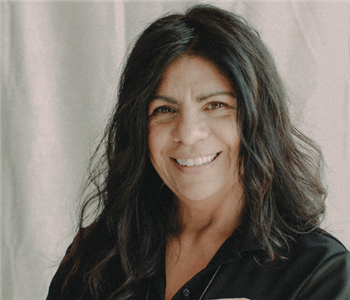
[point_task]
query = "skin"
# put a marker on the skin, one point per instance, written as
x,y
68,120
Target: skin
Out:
x,y
194,114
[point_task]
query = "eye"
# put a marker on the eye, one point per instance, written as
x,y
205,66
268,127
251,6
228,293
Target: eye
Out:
x,y
163,110
216,105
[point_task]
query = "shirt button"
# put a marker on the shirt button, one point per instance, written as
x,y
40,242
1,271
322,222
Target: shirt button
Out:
x,y
186,292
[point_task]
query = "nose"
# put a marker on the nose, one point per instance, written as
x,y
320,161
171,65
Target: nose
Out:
x,y
191,127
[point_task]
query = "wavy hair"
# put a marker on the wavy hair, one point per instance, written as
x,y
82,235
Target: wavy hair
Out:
x,y
282,175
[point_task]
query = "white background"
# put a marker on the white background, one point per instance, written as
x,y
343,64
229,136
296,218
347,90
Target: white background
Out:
x,y
60,64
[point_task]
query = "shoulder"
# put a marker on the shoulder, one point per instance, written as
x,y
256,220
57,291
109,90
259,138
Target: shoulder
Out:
x,y
89,248
324,263
318,245
314,249
318,268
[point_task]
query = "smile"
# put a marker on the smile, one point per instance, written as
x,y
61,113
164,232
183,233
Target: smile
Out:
x,y
194,162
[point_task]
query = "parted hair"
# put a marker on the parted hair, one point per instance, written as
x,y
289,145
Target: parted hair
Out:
x,y
280,168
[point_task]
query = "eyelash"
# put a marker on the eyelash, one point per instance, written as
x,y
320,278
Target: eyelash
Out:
x,y
164,109
219,103
161,109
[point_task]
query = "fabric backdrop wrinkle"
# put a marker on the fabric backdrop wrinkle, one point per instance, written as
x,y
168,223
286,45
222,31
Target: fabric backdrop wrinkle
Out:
x,y
60,65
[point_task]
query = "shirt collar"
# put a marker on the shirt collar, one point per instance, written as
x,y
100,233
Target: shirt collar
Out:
x,y
241,240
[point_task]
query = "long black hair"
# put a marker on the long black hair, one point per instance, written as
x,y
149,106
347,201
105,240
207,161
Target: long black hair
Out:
x,y
280,168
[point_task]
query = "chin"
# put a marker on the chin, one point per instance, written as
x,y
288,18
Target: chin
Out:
x,y
195,194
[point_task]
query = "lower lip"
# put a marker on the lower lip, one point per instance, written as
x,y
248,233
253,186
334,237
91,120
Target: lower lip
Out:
x,y
195,169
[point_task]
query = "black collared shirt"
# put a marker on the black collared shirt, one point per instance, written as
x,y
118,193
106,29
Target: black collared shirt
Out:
x,y
318,269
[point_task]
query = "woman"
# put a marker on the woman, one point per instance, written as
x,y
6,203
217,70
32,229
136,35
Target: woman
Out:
x,y
205,189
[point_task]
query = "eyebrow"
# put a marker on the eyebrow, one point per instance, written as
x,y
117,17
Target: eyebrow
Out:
x,y
205,97
198,99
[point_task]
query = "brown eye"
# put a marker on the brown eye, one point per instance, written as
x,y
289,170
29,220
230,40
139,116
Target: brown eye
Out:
x,y
163,109
216,105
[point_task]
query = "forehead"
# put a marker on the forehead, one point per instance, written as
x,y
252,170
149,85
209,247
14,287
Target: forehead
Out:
x,y
193,73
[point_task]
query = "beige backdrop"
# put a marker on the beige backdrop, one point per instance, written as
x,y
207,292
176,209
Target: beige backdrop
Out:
x,y
60,64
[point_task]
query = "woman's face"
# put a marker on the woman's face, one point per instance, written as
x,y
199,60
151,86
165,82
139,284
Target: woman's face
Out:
x,y
194,138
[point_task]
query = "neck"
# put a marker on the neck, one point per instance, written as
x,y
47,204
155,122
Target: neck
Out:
x,y
210,216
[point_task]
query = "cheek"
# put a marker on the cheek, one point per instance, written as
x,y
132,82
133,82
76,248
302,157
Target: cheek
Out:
x,y
156,142
152,144
227,130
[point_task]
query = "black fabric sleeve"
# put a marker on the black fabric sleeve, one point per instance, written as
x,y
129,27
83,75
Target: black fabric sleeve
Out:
x,y
331,281
58,281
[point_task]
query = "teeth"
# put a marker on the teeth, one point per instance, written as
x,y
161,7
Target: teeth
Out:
x,y
190,162
196,161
